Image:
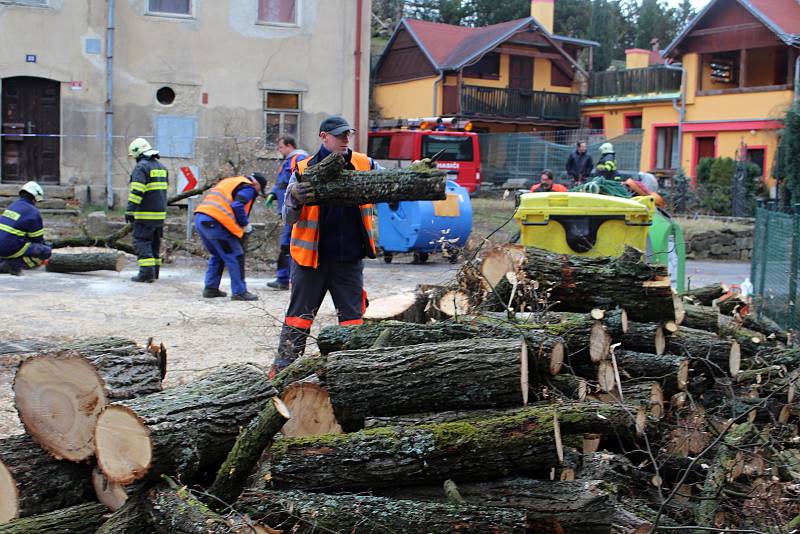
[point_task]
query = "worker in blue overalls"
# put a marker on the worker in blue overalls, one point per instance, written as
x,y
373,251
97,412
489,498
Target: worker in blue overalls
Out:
x,y
223,221
287,146
22,232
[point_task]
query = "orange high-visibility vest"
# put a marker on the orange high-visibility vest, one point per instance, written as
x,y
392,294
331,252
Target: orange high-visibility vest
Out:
x,y
217,204
304,246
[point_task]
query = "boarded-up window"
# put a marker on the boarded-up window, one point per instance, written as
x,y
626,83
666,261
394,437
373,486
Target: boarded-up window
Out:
x,y
281,115
175,136
277,11
175,7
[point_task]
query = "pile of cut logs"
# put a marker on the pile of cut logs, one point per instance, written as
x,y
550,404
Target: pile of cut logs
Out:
x,y
536,393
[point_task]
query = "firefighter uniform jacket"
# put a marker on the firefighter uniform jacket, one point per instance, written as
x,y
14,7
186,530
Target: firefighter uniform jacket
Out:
x,y
20,225
147,199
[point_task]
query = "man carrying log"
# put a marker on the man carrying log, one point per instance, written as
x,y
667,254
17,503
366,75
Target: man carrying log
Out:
x,y
328,245
147,208
22,232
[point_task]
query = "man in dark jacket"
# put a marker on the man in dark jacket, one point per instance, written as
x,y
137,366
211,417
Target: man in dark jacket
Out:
x,y
147,208
22,233
579,164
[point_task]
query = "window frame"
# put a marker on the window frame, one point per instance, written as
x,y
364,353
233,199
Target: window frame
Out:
x,y
166,14
282,112
295,24
45,4
627,120
674,140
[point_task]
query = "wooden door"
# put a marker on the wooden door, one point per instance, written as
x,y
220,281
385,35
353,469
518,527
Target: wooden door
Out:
x,y
30,106
521,73
705,147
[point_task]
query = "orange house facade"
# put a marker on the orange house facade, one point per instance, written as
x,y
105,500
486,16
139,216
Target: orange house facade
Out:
x,y
508,77
727,81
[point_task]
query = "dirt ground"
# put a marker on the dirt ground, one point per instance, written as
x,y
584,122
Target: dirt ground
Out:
x,y
199,333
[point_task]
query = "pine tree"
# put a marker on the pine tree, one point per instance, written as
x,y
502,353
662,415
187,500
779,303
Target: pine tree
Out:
x,y
572,18
603,29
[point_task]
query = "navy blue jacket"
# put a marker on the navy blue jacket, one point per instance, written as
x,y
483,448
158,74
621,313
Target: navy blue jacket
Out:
x,y
282,181
20,224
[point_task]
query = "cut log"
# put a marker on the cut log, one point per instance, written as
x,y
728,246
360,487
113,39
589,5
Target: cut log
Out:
x,y
185,430
86,262
455,375
766,326
452,303
644,337
518,444
249,446
580,284
114,495
577,507
174,510
131,518
303,367
702,345
332,184
408,307
80,519
498,261
705,295
680,310
702,318
616,323
60,393
33,482
303,512
312,412
437,417
670,370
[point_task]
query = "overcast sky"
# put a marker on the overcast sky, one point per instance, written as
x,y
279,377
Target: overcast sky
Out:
x,y
698,4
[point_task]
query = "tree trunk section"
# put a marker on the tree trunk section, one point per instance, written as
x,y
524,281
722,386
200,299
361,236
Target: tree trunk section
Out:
x,y
303,367
304,512
33,482
331,184
766,326
184,430
312,412
177,511
644,337
455,375
500,446
669,370
701,318
408,307
80,519
86,262
576,507
705,295
60,393
702,345
249,446
580,284
437,417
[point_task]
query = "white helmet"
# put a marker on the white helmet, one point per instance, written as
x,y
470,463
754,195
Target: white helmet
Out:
x,y
34,189
140,147
606,148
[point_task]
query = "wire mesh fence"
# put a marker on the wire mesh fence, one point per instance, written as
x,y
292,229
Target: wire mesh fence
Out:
x,y
515,156
775,265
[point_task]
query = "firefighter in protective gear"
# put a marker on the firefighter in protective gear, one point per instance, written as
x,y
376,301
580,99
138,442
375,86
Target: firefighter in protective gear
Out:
x,y
223,221
607,166
22,232
147,208
328,245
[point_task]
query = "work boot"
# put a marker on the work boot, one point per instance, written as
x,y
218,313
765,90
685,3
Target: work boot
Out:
x,y
247,296
8,268
213,292
146,275
277,284
158,270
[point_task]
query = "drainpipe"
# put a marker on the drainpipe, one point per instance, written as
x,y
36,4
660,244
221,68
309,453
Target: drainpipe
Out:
x,y
440,82
796,79
359,24
109,104
682,110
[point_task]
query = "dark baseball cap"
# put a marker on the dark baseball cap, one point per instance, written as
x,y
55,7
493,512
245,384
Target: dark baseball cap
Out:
x,y
335,125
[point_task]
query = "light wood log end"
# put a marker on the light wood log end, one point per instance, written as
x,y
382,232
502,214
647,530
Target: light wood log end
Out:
x,y
660,341
311,409
556,358
109,493
124,447
599,342
9,495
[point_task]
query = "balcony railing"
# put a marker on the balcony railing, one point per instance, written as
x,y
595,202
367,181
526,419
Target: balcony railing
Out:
x,y
518,103
634,82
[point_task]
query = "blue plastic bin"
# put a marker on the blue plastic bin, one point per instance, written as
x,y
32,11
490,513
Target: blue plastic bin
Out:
x,y
425,226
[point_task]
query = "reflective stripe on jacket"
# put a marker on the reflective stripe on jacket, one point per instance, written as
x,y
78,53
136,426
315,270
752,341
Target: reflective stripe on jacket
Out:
x,y
147,197
217,204
20,225
304,246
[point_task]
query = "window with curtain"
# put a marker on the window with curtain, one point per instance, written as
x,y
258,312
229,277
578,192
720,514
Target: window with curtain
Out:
x,y
277,11
173,7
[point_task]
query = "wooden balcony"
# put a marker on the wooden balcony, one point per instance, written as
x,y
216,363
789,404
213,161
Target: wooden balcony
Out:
x,y
511,103
656,79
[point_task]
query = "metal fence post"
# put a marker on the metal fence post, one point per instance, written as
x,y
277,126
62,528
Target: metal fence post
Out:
x,y
764,255
190,205
793,267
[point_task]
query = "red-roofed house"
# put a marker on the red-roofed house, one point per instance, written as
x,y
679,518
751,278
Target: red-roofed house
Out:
x,y
739,59
513,76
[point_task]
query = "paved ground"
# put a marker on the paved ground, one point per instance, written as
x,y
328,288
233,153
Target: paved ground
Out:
x,y
700,273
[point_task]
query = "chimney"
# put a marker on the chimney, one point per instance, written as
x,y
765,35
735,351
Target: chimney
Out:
x,y
637,58
543,12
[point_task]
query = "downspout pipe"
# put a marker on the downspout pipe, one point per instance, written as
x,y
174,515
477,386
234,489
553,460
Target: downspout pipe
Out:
x,y
358,53
438,83
109,104
796,79
682,110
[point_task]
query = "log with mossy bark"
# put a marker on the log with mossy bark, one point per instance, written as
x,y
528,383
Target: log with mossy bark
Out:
x,y
33,482
520,443
173,509
704,295
79,519
580,284
668,369
644,337
766,326
416,419
332,184
86,262
185,430
463,374
303,512
302,367
723,354
60,393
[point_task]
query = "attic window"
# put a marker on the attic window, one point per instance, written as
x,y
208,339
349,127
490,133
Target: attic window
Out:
x,y
487,67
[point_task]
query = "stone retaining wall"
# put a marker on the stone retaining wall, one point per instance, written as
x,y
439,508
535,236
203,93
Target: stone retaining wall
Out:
x,y
721,245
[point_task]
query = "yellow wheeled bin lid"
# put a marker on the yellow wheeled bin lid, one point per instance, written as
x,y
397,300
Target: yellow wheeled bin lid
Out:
x,y
584,224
